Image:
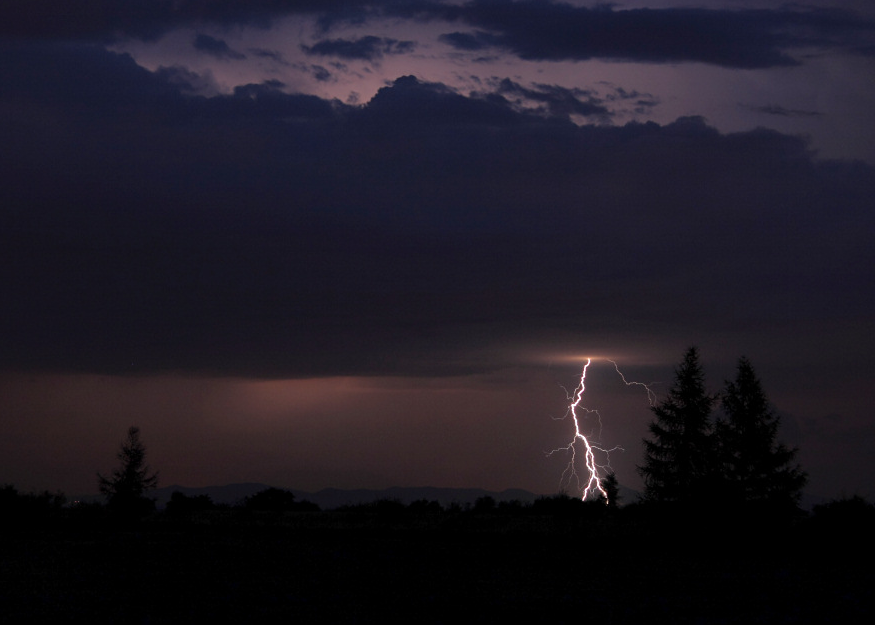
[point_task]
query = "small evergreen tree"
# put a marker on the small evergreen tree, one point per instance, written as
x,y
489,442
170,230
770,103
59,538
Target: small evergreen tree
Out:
x,y
756,468
125,489
678,459
612,488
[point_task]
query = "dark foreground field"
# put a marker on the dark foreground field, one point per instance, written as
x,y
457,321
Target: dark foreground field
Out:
x,y
448,567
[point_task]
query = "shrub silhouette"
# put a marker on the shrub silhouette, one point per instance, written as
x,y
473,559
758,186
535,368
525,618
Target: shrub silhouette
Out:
x,y
183,506
277,500
28,509
484,504
846,517
424,506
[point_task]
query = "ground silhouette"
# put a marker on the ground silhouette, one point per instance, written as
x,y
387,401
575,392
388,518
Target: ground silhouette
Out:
x,y
556,559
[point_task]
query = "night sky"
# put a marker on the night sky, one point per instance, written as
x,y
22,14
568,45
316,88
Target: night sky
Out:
x,y
364,243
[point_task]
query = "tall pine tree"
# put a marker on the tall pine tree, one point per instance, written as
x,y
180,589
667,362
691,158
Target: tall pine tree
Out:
x,y
126,488
679,458
756,468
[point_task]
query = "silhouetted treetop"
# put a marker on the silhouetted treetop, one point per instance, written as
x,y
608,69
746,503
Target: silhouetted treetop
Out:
x,y
125,489
678,463
612,488
756,468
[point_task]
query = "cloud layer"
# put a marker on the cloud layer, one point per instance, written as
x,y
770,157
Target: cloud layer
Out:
x,y
530,29
267,233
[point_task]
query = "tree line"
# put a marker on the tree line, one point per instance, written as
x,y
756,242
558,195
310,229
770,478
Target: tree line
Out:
x,y
734,460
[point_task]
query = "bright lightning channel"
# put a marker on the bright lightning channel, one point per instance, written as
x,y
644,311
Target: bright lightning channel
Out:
x,y
594,469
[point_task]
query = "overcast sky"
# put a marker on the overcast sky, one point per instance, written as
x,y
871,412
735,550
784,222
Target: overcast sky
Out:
x,y
357,243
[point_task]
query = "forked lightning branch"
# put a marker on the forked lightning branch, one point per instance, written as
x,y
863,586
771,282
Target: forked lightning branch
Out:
x,y
589,461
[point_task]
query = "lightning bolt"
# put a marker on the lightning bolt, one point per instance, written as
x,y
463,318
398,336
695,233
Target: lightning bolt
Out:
x,y
580,442
651,396
594,481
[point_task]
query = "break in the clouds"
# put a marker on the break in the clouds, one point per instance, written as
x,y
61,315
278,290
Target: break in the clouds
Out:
x,y
368,48
534,30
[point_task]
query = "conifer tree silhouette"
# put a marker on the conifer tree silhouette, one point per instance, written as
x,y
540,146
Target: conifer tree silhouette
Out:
x,y
679,459
125,489
756,468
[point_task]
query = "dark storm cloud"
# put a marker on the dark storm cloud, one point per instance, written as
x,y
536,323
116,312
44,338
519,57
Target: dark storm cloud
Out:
x,y
216,48
556,101
148,19
530,29
266,233
188,82
775,109
272,55
469,42
745,39
369,48
320,73
642,102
